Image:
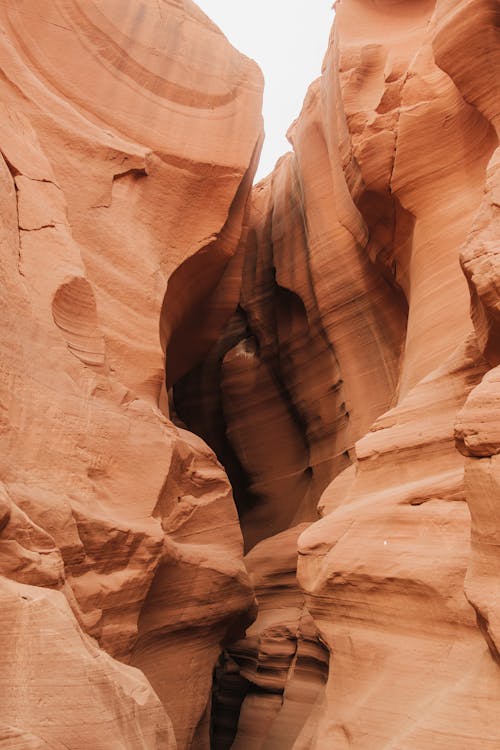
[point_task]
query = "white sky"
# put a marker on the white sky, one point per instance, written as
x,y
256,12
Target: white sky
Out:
x,y
288,39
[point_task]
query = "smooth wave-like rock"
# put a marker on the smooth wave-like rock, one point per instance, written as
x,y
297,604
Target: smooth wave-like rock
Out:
x,y
306,370
355,383
278,671
129,134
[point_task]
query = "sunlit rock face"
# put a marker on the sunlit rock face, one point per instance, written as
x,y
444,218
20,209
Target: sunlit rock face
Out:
x,y
386,571
129,134
325,346
354,385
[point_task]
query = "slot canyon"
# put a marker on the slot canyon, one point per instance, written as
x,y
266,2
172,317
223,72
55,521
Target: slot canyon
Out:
x,y
250,433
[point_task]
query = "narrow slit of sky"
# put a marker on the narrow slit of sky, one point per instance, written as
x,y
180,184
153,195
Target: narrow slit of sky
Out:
x,y
288,39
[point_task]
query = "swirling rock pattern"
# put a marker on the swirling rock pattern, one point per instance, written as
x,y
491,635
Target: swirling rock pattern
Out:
x,y
129,133
332,334
354,384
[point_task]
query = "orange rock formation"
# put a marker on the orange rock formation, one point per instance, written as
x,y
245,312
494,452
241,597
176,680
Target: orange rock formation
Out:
x,y
129,135
333,334
351,374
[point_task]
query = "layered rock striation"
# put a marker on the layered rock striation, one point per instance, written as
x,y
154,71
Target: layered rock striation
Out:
x,y
306,371
129,135
356,375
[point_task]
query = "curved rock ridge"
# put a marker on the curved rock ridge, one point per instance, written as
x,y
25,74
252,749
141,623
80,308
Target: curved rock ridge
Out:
x,y
129,136
331,333
271,683
355,377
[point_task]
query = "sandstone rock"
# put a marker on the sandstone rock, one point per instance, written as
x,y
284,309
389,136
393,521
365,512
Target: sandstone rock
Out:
x,y
129,134
281,665
351,359
332,334
60,690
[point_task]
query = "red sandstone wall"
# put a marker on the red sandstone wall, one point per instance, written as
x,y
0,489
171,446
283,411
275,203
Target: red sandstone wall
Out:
x,y
331,334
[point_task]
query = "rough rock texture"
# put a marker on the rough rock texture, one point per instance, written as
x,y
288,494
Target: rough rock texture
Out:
x,y
333,335
278,671
129,133
356,375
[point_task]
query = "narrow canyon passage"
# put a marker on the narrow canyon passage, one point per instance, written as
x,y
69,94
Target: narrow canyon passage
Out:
x,y
249,433
352,303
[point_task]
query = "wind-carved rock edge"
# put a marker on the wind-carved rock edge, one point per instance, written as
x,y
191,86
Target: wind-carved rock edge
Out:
x,y
331,333
361,353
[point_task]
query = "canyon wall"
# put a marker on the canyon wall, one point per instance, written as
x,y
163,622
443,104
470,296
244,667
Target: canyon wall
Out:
x,y
249,435
129,136
350,384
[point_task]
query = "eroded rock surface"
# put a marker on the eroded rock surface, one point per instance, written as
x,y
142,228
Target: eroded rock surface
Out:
x,y
356,375
332,334
278,671
129,133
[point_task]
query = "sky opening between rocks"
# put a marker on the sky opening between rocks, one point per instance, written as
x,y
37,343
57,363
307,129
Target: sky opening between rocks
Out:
x,y
288,39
